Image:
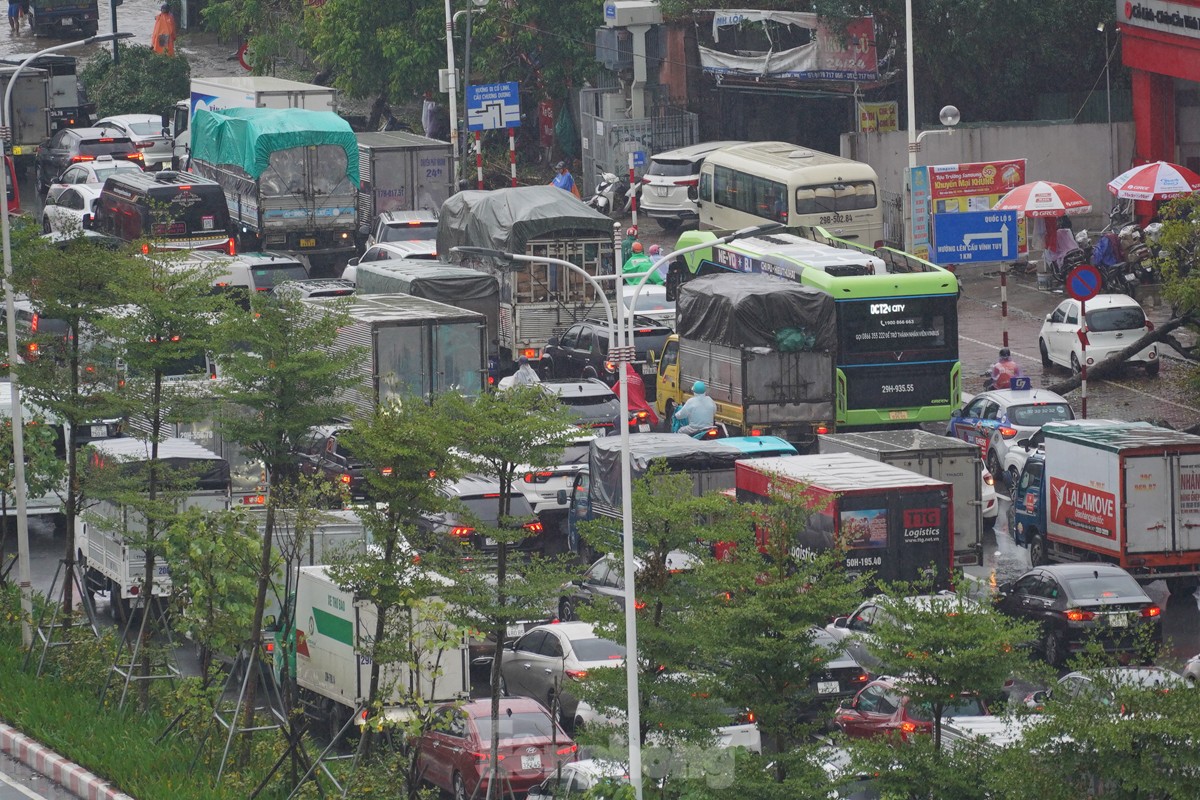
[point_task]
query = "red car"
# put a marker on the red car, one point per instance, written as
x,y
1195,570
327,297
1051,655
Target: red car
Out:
x,y
882,709
454,753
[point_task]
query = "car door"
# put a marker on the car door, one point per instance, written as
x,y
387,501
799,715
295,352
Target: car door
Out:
x,y
1052,332
594,580
581,354
436,756
60,153
869,712
517,666
70,208
546,675
1024,600
966,424
560,354
72,176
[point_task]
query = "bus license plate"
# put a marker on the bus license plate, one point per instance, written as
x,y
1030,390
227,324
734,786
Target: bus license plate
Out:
x,y
308,242
897,415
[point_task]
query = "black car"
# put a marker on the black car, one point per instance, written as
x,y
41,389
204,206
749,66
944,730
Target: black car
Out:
x,y
479,505
73,145
323,454
582,351
841,679
593,404
1077,604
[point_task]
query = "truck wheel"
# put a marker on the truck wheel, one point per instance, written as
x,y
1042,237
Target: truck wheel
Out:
x,y
993,465
119,607
1052,649
460,787
1152,368
1046,362
669,225
1037,550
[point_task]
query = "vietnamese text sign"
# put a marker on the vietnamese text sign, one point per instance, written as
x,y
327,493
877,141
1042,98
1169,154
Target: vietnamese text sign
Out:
x,y
878,117
493,106
919,201
974,237
1083,508
978,186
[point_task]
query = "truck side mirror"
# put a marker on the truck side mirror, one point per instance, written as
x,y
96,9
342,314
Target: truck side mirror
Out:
x,y
165,119
561,497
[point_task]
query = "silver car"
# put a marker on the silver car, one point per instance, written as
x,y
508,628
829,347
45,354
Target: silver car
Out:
x,y
146,133
547,660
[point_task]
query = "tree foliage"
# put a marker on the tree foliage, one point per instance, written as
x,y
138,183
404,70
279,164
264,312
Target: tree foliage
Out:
x,y
144,82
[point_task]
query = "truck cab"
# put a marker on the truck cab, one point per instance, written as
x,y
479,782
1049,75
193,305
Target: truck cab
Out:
x,y
1029,512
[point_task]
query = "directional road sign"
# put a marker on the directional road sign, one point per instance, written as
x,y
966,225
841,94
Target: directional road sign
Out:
x,y
1083,283
974,237
493,106
639,158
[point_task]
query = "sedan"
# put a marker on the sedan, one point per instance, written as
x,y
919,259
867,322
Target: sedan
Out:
x,y
591,402
840,680
605,580
453,754
1114,321
146,133
855,633
546,661
883,709
91,172
996,419
1106,686
72,210
1080,604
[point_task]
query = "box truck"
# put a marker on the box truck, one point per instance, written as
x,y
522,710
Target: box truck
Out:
x,y
413,347
247,91
28,113
951,460
893,524
401,172
765,350
1127,493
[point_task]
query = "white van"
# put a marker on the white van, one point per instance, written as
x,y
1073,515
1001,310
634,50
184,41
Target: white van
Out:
x,y
668,189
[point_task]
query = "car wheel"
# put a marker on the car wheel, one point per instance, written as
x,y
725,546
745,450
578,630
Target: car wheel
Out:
x,y
1014,478
1037,550
460,787
1052,649
566,610
45,225
1046,362
993,464
1152,367
1075,367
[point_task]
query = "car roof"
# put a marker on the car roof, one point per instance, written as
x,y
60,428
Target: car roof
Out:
x,y
87,189
1112,301
572,630
597,768
97,132
692,151
1074,570
471,485
483,707
130,118
1128,676
1018,397
318,287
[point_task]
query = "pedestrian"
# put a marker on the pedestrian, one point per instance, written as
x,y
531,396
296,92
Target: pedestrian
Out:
x,y
14,15
1004,370
525,376
163,37
429,115
564,180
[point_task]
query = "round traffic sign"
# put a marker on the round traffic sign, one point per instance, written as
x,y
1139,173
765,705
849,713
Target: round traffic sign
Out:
x,y
1083,283
243,55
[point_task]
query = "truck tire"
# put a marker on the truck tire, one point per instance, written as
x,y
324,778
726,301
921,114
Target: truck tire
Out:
x,y
1152,368
120,608
1037,550
1052,649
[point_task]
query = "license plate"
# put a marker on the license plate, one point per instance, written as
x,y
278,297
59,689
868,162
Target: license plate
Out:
x,y
162,570
661,191
489,541
643,428
1118,621
897,415
308,242
1129,276
99,431
649,369
513,631
827,687
67,22
531,762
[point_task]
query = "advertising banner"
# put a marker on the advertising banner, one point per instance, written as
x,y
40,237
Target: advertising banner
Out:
x,y
1083,508
957,188
878,117
918,181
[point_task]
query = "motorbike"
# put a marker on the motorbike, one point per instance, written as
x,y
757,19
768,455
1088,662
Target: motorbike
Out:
x,y
613,196
1117,273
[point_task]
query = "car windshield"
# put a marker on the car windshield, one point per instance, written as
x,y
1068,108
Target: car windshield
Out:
x,y
672,169
145,128
597,649
106,147
518,725
1128,318
1038,414
958,707
1103,587
577,400
269,276
576,454
104,171
408,232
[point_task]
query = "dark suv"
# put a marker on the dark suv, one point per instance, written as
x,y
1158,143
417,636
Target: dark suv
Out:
x,y
322,454
73,145
582,351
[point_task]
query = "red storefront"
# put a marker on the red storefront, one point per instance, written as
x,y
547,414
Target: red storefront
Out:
x,y
1160,43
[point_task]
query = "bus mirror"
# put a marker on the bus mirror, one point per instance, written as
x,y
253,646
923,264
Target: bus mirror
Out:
x,y
561,497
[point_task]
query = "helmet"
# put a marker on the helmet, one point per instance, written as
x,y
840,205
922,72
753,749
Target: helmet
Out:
x,y
632,231
560,165
637,247
523,360
699,388
1004,352
655,249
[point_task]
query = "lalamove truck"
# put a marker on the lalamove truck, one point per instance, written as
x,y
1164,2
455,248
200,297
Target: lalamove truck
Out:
x,y
1127,493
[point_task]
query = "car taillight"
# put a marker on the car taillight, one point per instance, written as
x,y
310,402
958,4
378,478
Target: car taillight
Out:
x,y
1151,611
386,472
989,479
756,432
690,182
1079,615
577,674
461,530
345,478
567,751
1007,433
533,527
231,246
822,429
136,157
861,677
483,758
83,158
639,604
538,477
745,718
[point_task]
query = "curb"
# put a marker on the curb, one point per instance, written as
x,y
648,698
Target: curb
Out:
x,y
71,777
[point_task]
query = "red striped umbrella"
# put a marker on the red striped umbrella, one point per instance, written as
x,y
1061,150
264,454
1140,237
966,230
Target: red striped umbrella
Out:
x,y
1044,199
1161,180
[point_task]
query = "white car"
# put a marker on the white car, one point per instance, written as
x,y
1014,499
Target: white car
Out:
x,y
995,420
424,249
576,779
88,172
1019,452
670,187
146,133
652,303
541,487
988,497
394,227
72,210
1114,321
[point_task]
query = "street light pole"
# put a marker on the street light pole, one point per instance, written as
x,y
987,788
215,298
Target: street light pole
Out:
x,y
452,88
18,421
912,90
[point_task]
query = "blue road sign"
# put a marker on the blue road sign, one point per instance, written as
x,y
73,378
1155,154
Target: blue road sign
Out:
x,y
974,237
1083,283
493,106
639,158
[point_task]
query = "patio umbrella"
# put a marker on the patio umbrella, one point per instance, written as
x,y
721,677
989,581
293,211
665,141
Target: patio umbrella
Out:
x,y
1161,180
1043,199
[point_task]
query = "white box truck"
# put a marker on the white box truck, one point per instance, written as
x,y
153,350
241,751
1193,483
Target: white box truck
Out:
x,y
401,172
257,91
331,661
939,457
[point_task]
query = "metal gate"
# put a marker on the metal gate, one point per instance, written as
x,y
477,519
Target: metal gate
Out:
x,y
608,136
893,219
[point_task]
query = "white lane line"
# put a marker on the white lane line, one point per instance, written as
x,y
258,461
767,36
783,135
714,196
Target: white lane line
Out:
x,y
1125,386
25,790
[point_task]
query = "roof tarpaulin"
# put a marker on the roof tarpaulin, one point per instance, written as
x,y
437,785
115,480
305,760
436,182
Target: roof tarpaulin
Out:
x,y
246,137
444,283
680,452
505,219
752,310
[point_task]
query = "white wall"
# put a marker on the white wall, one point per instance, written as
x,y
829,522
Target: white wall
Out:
x,y
1075,155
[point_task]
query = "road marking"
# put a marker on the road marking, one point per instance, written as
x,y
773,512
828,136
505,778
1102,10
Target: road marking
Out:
x,y
1125,386
25,790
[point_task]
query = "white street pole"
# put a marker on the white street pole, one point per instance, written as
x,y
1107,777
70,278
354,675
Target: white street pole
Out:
x,y
912,91
18,420
452,90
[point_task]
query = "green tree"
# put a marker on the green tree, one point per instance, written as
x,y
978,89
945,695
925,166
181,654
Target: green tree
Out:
x,y
1179,257
145,82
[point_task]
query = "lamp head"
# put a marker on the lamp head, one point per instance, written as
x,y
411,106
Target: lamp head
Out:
x,y
949,116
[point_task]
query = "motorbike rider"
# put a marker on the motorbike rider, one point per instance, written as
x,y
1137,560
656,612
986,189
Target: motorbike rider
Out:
x,y
1003,371
563,179
636,389
698,413
639,263
525,376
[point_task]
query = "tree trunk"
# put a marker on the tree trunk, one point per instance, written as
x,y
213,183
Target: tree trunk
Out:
x,y
70,509
1111,365
254,643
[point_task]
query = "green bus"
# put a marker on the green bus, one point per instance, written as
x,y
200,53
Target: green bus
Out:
x,y
897,319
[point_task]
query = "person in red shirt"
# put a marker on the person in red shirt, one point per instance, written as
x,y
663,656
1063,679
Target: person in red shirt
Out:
x,y
636,388
1004,370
